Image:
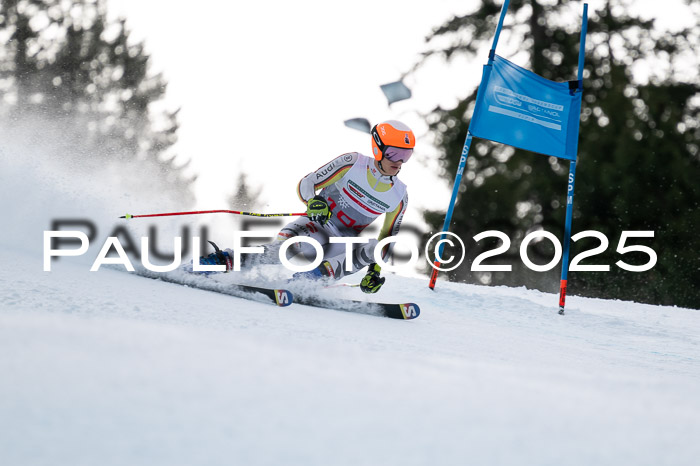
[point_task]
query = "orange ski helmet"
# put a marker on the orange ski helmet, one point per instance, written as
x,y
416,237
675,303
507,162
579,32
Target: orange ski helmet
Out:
x,y
393,140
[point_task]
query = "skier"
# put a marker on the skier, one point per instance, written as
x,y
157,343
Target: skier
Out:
x,y
342,198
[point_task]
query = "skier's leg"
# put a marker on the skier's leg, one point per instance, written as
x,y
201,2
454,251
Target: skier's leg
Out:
x,y
362,256
301,226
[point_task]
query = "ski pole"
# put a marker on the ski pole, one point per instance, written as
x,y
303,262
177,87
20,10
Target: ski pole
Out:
x,y
197,212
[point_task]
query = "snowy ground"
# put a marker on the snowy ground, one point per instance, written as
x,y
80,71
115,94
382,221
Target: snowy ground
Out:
x,y
108,368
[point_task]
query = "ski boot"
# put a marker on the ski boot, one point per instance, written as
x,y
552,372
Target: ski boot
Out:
x,y
322,272
218,257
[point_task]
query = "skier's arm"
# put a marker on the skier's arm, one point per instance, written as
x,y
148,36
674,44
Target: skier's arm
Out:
x,y
325,176
392,224
372,282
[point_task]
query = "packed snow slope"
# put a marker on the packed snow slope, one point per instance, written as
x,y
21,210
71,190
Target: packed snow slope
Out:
x,y
109,368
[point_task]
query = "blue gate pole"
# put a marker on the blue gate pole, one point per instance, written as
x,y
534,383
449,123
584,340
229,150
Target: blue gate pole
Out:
x,y
450,209
572,175
463,159
567,236
492,52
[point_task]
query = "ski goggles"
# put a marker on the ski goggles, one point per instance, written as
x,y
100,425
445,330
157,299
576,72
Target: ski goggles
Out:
x,y
397,154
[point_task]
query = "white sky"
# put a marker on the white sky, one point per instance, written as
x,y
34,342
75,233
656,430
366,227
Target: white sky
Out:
x,y
264,87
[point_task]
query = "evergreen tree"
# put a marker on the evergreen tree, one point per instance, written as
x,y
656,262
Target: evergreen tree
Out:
x,y
638,150
245,198
75,85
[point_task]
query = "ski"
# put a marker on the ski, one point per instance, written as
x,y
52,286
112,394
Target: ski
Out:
x,y
403,311
277,296
283,297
